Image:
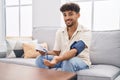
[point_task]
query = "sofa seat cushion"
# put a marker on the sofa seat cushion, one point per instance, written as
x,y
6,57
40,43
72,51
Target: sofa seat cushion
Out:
x,y
105,47
20,61
118,78
99,72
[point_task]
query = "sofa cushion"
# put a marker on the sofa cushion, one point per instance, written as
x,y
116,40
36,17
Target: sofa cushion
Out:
x,y
118,78
2,54
15,47
105,47
18,53
30,51
20,61
43,34
99,72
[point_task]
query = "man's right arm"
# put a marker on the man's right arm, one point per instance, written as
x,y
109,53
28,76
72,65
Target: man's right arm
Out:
x,y
53,52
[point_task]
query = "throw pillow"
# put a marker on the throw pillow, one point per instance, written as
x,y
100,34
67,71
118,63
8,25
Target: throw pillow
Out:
x,y
18,50
29,50
15,47
18,53
10,47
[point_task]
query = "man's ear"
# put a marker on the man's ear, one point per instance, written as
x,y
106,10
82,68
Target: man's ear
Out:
x,y
78,15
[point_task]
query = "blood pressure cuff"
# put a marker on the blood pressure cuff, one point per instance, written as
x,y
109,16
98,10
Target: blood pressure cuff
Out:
x,y
79,45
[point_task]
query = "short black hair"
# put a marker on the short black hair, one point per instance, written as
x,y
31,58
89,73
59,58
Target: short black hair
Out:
x,y
70,7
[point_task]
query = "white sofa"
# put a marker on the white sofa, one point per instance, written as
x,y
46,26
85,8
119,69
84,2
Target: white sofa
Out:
x,y
104,54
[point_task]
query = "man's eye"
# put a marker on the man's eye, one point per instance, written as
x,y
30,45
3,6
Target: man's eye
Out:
x,y
64,15
70,14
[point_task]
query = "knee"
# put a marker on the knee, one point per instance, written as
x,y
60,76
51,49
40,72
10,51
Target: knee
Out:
x,y
68,63
39,61
67,66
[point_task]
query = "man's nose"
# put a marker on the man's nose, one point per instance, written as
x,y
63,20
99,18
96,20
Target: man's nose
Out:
x,y
67,17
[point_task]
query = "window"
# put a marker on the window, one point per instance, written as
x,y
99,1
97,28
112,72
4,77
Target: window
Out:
x,y
18,18
85,13
106,15
99,15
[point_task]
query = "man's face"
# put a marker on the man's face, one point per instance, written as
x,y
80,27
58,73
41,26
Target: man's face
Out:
x,y
70,18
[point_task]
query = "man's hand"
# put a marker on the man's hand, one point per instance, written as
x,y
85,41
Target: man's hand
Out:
x,y
51,63
41,52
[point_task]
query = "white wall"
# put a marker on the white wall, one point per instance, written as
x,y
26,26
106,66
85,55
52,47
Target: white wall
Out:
x,y
2,27
46,13
0,20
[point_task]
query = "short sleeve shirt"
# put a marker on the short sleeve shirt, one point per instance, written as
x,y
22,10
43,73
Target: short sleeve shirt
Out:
x,y
63,43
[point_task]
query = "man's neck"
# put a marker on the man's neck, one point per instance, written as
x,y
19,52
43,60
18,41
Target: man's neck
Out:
x,y
72,28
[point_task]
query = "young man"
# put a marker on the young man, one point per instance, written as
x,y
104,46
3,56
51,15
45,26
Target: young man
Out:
x,y
71,48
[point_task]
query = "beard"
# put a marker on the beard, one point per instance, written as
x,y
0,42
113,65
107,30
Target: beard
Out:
x,y
69,23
